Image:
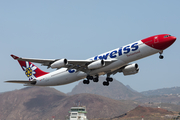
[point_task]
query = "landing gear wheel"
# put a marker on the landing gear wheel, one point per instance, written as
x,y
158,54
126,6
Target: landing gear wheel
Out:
x,y
161,57
89,77
109,79
106,83
95,80
86,81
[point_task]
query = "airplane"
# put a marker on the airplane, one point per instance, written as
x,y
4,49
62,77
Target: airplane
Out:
x,y
109,63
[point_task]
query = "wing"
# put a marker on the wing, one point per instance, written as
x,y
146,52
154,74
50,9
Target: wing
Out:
x,y
45,62
79,65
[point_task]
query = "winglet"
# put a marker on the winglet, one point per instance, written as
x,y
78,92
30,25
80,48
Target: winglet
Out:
x,y
14,57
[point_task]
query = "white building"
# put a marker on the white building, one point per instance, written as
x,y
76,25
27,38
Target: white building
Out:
x,y
78,113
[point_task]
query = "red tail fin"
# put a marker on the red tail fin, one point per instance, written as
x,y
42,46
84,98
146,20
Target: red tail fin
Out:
x,y
30,69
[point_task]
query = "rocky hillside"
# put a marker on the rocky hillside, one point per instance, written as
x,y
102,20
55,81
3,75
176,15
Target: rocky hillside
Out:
x,y
174,99
147,113
116,90
28,103
33,103
144,112
163,91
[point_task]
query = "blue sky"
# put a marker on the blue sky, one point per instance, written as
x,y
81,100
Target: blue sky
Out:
x,y
79,29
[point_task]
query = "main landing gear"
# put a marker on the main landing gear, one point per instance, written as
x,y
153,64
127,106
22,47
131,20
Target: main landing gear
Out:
x,y
86,81
88,78
96,79
108,79
161,56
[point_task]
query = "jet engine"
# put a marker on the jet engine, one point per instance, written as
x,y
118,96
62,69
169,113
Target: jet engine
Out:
x,y
59,63
130,69
97,64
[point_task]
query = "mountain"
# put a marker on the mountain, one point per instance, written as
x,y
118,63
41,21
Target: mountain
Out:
x,y
130,88
163,91
116,90
28,103
99,106
33,103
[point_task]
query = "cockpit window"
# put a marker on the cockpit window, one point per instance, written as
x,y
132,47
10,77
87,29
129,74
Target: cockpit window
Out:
x,y
167,36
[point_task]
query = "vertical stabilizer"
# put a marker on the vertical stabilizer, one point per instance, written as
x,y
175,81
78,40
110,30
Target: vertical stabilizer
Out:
x,y
31,71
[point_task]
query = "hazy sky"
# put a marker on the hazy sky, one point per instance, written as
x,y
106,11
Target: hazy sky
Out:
x,y
80,29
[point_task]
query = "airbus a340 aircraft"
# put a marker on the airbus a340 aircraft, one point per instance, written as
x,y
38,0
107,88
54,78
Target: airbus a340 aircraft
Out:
x,y
109,63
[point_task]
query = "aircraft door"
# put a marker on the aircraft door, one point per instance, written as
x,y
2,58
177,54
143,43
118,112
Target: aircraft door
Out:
x,y
156,39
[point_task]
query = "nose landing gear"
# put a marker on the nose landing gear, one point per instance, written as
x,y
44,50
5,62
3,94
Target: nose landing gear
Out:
x,y
161,56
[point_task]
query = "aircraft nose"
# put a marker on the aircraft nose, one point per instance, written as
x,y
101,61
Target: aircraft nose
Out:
x,y
159,42
165,43
173,39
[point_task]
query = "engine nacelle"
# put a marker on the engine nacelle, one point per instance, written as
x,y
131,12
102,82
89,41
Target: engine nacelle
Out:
x,y
97,64
131,69
60,63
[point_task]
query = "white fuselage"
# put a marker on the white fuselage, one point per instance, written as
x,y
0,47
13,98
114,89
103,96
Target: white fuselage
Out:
x,y
122,55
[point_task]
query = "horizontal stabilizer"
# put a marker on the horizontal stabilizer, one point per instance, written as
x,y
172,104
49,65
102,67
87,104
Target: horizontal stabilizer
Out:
x,y
22,81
